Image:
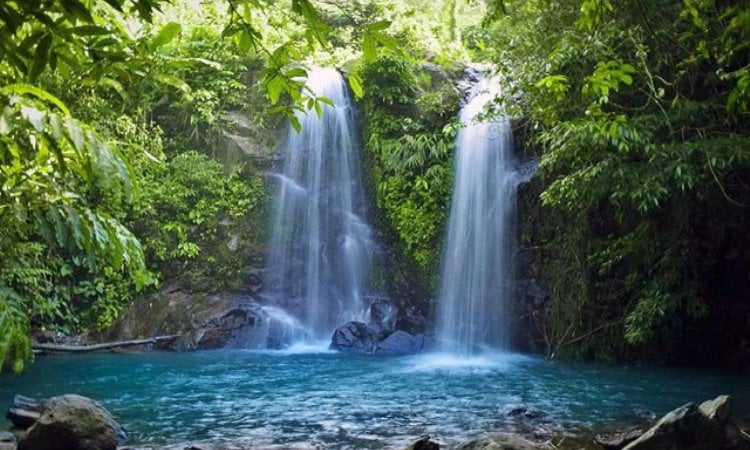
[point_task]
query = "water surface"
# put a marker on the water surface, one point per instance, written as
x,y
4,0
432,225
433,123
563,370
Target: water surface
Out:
x,y
335,400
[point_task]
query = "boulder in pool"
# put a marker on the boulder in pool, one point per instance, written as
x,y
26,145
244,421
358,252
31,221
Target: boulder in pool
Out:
x,y
401,343
689,427
354,337
72,422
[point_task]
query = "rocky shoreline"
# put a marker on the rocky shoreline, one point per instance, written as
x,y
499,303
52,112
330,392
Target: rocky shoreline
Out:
x,y
74,422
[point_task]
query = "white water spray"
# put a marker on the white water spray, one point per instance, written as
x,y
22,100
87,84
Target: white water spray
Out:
x,y
321,246
477,271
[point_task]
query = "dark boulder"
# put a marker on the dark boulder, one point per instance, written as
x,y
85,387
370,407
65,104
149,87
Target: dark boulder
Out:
x,y
221,329
423,443
72,422
354,337
401,343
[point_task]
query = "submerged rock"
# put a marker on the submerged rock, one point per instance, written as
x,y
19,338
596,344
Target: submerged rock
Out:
x,y
72,422
500,441
524,412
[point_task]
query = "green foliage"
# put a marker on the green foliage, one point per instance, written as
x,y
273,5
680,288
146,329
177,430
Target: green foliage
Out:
x,y
187,204
639,112
50,164
69,198
410,141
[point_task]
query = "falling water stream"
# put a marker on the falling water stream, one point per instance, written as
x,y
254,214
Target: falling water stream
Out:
x,y
477,269
321,246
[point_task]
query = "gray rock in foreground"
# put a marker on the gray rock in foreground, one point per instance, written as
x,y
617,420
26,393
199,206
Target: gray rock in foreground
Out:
x,y
71,422
689,427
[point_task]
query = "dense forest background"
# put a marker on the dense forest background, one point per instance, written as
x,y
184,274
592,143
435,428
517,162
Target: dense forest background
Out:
x,y
636,225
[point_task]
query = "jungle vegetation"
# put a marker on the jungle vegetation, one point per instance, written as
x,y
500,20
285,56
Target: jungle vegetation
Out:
x,y
638,112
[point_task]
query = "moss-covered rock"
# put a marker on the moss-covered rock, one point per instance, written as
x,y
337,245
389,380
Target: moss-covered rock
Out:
x,y
71,422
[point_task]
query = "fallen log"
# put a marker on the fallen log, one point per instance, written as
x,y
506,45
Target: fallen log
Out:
x,y
102,346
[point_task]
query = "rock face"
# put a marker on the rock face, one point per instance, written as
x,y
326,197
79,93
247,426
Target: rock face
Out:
x,y
245,140
690,427
71,422
202,321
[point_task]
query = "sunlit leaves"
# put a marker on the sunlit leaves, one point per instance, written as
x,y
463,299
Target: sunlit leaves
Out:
x,y
36,36
355,82
173,81
316,28
607,78
374,38
165,35
592,12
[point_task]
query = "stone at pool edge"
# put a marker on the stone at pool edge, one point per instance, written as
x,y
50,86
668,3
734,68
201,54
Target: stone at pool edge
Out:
x,y
72,422
689,427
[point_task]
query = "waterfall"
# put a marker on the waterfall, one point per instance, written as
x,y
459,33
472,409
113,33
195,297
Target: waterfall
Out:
x,y
477,270
321,246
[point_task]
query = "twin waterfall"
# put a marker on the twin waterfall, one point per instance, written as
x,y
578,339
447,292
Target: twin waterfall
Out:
x,y
321,247
476,273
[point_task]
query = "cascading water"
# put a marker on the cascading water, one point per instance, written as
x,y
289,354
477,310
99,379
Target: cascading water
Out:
x,y
321,247
477,270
